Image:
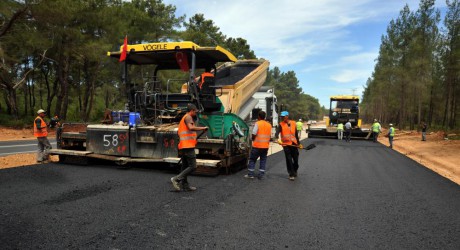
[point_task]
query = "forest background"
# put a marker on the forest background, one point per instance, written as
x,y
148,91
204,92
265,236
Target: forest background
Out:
x,y
53,56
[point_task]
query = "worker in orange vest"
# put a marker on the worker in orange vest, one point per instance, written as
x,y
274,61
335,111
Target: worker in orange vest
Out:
x,y
41,132
261,134
289,140
187,143
205,74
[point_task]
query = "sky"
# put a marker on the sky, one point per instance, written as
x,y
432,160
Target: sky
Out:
x,y
331,45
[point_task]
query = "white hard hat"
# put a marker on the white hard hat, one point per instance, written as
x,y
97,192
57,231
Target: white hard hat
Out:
x,y
391,124
300,120
41,111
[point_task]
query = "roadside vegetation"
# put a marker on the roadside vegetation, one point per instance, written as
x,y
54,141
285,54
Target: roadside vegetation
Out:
x,y
53,55
417,73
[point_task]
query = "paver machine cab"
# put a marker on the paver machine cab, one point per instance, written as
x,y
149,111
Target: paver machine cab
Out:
x,y
342,108
151,136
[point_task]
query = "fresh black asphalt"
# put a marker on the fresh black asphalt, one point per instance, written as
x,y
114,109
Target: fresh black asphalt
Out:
x,y
358,195
21,146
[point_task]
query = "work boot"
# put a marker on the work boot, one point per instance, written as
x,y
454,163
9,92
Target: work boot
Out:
x,y
291,178
175,183
187,187
248,176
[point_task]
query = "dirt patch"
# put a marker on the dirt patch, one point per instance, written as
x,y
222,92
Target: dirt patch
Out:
x,y
437,154
19,160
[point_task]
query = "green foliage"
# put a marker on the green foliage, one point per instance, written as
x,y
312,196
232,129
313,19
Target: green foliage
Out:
x,y
60,63
202,31
416,77
24,122
290,95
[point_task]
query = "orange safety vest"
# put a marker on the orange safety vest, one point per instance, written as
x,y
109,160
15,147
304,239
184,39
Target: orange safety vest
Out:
x,y
42,132
204,75
288,133
187,138
264,131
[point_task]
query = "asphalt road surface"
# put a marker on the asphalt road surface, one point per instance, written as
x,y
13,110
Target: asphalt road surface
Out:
x,y
21,146
347,196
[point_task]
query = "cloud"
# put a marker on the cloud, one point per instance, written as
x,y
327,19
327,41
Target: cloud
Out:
x,y
326,42
288,31
348,75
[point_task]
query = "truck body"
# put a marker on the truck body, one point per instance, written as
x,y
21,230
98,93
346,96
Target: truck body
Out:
x,y
149,134
267,102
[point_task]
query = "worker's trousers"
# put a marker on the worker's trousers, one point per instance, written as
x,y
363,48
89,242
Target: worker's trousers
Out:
x,y
375,135
43,149
255,154
292,160
390,139
348,135
340,134
188,157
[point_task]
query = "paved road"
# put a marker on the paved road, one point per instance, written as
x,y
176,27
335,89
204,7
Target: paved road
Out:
x,y
348,195
21,146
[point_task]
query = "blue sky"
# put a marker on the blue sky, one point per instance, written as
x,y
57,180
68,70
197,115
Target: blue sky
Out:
x,y
331,45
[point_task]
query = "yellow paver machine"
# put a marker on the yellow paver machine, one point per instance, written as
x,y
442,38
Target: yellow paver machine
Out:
x,y
342,108
147,131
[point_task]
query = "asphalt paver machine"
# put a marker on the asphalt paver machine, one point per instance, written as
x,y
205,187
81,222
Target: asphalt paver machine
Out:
x,y
149,134
342,108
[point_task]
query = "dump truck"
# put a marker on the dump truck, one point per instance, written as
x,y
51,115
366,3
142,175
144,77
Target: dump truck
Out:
x,y
147,131
342,108
267,102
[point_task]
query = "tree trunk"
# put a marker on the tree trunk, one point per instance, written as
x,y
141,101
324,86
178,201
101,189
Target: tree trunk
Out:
x,y
87,93
26,102
12,102
91,100
62,74
32,99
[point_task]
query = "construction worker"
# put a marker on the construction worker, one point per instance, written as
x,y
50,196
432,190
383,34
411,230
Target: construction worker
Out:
x,y
41,132
299,125
424,127
391,135
261,134
207,73
340,131
289,140
187,143
348,129
55,122
376,130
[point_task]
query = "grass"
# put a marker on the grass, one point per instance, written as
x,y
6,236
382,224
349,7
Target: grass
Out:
x,y
23,122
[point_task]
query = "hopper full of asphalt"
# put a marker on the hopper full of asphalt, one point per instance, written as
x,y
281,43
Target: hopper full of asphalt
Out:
x,y
348,195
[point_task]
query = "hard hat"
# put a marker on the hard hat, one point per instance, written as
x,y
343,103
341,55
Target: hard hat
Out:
x,y
40,111
300,120
391,124
284,113
375,120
